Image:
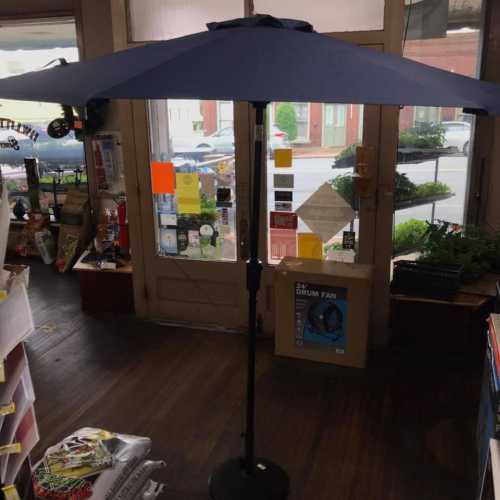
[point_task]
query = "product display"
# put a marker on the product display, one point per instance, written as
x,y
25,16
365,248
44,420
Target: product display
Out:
x,y
323,310
195,210
97,464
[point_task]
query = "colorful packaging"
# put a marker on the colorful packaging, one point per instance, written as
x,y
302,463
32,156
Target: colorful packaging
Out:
x,y
94,464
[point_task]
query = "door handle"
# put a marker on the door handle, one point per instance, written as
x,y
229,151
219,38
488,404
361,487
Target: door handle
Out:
x,y
244,239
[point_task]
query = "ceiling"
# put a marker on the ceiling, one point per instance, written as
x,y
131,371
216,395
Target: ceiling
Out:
x,y
39,34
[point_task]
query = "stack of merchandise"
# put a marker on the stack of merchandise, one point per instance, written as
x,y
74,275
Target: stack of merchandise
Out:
x,y
18,428
97,464
493,366
488,424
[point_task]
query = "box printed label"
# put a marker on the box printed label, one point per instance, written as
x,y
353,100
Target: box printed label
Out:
x,y
320,316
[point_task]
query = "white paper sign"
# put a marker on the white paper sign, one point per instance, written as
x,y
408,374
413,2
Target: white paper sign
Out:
x,y
326,212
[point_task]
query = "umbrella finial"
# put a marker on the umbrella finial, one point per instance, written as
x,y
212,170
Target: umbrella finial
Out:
x,y
262,20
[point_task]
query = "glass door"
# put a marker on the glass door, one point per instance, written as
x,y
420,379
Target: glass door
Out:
x,y
312,207
194,201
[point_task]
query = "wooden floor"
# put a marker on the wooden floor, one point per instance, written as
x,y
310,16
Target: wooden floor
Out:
x,y
402,429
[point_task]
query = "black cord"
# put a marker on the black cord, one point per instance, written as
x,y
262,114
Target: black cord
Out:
x,y
407,24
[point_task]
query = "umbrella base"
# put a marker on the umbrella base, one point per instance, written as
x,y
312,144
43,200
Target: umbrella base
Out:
x,y
231,482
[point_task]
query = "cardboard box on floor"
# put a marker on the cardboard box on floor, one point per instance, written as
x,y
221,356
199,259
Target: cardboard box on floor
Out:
x,y
322,310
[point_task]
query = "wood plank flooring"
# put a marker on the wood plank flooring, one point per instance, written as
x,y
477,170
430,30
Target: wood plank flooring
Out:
x,y
401,429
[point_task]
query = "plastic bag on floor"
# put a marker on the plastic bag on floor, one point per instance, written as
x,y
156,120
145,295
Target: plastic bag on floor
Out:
x,y
94,464
139,483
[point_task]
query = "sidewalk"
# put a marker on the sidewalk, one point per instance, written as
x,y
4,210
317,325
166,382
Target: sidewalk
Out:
x,y
315,152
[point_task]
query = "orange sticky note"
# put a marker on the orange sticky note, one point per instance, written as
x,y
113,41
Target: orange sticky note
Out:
x,y
283,158
162,177
310,246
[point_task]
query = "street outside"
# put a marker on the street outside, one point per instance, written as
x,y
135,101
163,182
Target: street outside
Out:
x,y
311,173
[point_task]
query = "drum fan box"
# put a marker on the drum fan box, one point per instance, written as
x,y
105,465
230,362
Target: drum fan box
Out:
x,y
322,310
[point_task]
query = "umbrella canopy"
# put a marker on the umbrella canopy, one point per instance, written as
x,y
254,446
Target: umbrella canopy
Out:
x,y
256,59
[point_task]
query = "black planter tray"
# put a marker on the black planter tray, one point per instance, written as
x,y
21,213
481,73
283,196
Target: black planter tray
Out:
x,y
426,280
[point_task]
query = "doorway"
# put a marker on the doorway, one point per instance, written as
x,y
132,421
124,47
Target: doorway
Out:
x,y
334,125
196,204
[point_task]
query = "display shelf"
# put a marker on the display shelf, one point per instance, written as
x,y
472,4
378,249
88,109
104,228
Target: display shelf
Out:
x,y
416,202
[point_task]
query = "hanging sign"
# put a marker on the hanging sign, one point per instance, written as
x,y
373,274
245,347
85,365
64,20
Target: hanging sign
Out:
x,y
21,128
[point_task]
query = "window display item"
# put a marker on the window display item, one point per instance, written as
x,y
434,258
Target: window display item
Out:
x,y
309,246
326,212
224,197
19,209
162,177
283,220
188,193
283,206
46,246
283,181
283,196
323,310
283,243
25,241
283,158
97,464
108,161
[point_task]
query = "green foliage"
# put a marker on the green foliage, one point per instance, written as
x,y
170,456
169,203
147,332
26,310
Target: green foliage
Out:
x,y
348,151
207,204
344,185
409,235
404,189
428,189
67,179
286,119
469,247
422,136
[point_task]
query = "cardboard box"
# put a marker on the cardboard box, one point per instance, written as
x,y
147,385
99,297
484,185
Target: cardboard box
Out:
x,y
322,310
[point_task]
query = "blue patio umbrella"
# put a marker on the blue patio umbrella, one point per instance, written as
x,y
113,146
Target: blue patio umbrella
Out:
x,y
258,59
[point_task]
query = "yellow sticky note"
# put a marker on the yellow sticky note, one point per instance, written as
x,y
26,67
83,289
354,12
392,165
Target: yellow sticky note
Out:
x,y
310,246
283,158
3,295
187,189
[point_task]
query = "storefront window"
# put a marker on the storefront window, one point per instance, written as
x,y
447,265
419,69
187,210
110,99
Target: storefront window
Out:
x,y
328,16
193,179
165,19
27,46
435,143
310,196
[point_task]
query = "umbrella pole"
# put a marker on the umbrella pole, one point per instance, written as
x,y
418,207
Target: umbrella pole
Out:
x,y
251,478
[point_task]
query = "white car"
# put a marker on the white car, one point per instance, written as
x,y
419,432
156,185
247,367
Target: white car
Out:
x,y
457,135
222,141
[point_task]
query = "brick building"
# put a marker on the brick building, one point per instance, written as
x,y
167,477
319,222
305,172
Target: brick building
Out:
x,y
339,125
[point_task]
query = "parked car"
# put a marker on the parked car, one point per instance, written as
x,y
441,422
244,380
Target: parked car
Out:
x,y
222,141
457,135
